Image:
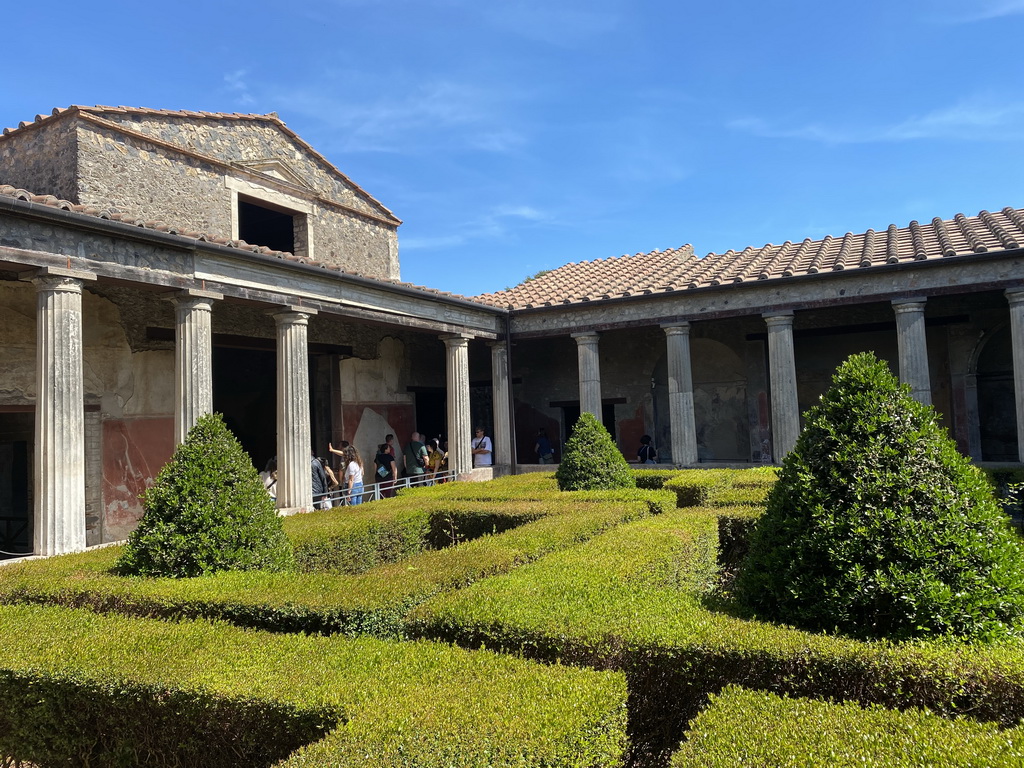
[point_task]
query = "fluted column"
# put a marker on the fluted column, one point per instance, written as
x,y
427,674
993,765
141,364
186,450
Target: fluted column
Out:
x,y
193,359
589,372
500,404
294,444
913,348
682,423
460,430
59,464
782,372
1016,298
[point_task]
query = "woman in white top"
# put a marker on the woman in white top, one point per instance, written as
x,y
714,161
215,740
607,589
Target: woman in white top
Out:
x,y
354,476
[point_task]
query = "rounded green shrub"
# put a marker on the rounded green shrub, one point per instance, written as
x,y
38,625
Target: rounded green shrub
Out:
x,y
590,460
207,511
878,527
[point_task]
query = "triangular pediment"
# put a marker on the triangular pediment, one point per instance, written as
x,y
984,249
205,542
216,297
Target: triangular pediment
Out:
x,y
275,169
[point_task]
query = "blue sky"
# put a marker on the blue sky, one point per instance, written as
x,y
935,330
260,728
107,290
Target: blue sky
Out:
x,y
517,136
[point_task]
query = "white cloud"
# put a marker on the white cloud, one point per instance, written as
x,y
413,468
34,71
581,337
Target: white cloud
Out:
x,y
498,222
980,119
438,113
517,212
237,85
561,24
979,10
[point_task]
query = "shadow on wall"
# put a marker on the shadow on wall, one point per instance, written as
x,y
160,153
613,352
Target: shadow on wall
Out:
x,y
528,421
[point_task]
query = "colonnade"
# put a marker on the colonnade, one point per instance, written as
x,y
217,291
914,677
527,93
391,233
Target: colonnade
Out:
x,y
912,348
59,456
59,469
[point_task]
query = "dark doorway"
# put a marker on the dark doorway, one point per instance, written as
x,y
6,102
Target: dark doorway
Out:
x,y
481,407
997,406
16,430
431,413
571,414
245,391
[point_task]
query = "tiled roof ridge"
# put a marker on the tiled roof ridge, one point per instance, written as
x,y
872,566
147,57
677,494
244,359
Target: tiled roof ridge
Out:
x,y
938,239
97,112
617,276
112,214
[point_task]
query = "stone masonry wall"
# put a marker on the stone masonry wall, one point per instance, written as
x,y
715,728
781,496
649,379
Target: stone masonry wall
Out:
x,y
151,182
41,160
155,183
241,141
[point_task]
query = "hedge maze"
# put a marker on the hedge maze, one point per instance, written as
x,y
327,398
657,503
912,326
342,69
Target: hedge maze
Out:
x,y
494,624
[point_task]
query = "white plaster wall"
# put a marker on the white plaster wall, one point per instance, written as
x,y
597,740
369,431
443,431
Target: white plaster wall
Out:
x,y
376,381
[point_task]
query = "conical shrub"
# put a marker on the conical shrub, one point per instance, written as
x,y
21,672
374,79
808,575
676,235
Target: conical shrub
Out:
x,y
207,511
590,460
878,527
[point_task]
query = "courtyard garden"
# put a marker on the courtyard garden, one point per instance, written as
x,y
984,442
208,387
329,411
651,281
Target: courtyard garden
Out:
x,y
658,622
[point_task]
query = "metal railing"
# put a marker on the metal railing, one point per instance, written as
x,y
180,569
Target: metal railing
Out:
x,y
383,490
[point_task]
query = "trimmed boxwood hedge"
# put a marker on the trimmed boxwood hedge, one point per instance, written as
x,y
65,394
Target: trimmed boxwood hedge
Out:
x,y
582,585
108,691
353,540
676,651
590,459
372,602
654,479
207,511
879,528
722,487
532,485
742,728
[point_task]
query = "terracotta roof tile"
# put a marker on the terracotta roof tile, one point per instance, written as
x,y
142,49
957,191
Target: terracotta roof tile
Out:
x,y
112,215
678,270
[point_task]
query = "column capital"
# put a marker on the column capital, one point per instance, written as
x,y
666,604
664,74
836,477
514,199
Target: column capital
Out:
x,y
776,319
293,315
908,305
1014,295
675,329
194,295
456,338
586,337
499,344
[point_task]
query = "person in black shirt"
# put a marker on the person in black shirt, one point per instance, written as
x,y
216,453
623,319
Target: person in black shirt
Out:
x,y
384,470
321,499
647,453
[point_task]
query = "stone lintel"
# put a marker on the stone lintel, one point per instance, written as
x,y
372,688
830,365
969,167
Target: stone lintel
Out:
x,y
286,309
73,274
193,293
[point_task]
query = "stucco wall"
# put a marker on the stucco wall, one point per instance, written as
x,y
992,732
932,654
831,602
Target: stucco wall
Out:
x,y
129,401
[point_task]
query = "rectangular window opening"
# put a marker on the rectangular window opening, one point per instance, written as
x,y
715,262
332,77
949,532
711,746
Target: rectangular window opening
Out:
x,y
274,227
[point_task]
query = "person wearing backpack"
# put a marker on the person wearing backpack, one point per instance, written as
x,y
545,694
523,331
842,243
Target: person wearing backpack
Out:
x,y
647,454
385,470
543,448
415,456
